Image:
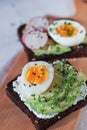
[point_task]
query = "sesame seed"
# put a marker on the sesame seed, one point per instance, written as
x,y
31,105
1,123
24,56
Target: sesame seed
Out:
x,y
38,76
34,84
33,73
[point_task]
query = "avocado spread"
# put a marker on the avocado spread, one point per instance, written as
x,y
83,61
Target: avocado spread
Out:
x,y
51,47
63,92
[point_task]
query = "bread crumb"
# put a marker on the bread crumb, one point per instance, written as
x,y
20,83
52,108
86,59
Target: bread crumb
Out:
x,y
59,117
33,59
36,121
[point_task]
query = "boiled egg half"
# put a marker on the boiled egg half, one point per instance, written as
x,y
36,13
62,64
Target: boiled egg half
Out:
x,y
37,76
67,32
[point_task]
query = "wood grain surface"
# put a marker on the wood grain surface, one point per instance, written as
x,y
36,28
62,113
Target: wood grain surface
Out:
x,y
11,117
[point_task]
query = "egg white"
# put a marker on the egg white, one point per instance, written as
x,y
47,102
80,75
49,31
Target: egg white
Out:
x,y
67,41
37,89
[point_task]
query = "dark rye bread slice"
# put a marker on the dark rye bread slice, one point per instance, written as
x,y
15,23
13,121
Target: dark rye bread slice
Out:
x,y
40,124
76,51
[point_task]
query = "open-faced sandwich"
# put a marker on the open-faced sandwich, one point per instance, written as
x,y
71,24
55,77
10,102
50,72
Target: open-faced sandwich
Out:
x,y
43,38
48,91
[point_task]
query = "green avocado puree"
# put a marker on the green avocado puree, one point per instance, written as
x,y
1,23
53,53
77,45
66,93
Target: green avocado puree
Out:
x,y
52,47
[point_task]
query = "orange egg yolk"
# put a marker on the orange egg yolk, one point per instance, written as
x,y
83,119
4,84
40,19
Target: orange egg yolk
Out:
x,y
36,75
67,30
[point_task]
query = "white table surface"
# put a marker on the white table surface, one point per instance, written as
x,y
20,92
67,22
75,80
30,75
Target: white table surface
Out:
x,y
12,14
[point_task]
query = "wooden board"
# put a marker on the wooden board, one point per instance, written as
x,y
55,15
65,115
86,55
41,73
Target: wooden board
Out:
x,y
12,118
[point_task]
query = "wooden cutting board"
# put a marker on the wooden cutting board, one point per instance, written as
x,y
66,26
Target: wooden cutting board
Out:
x,y
12,118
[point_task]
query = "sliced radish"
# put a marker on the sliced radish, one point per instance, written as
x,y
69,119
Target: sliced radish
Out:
x,y
30,29
38,23
34,39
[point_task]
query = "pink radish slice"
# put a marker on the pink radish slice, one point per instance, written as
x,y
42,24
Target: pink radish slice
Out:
x,y
30,29
35,39
38,23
